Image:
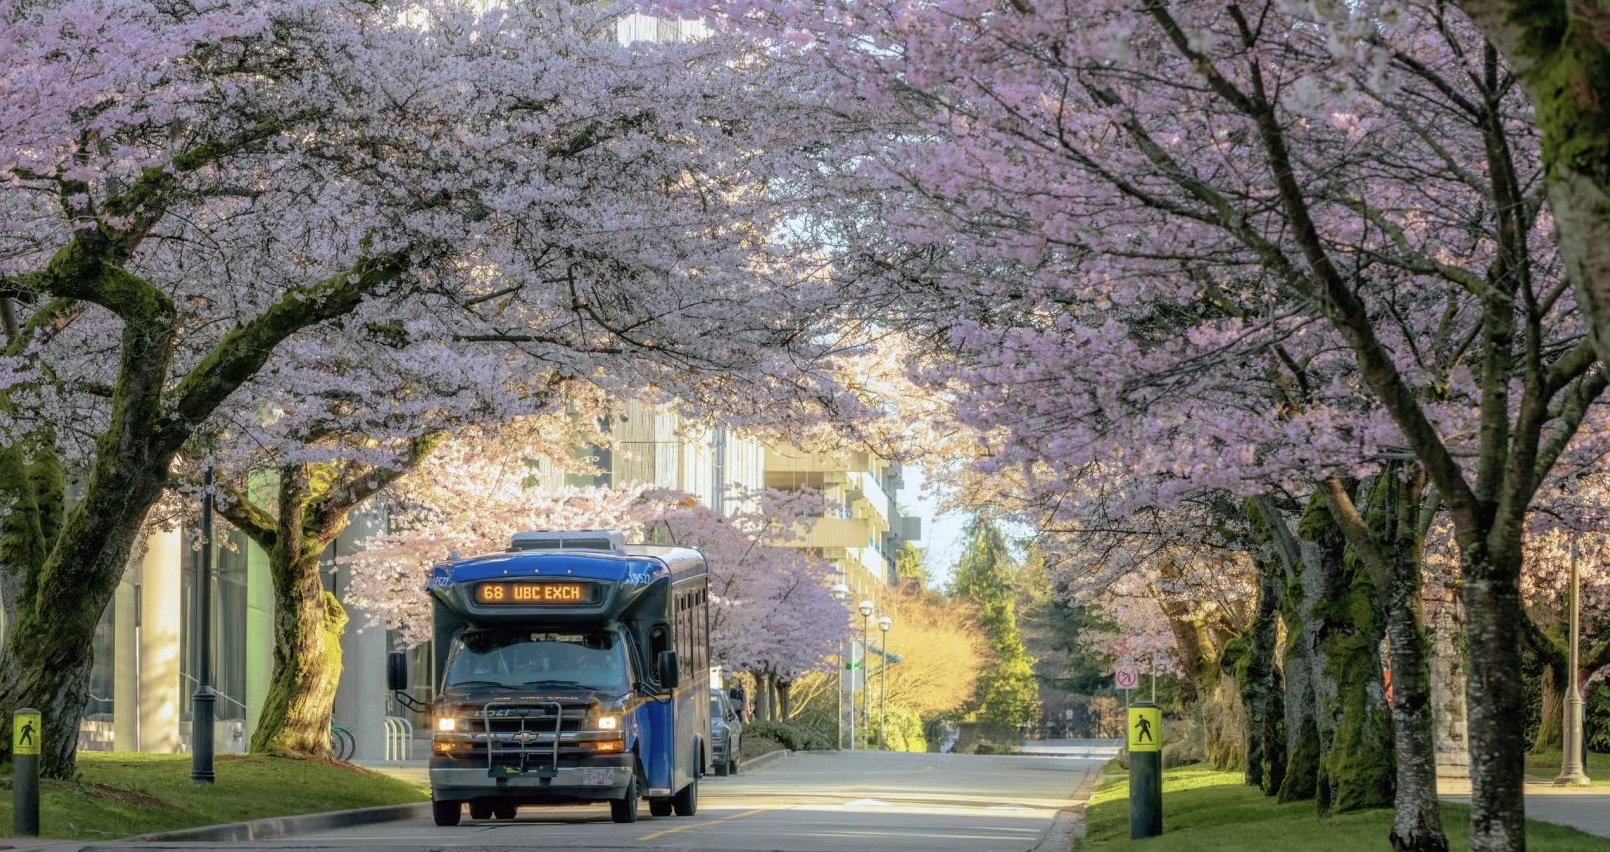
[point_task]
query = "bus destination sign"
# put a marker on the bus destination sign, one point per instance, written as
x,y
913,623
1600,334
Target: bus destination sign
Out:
x,y
527,594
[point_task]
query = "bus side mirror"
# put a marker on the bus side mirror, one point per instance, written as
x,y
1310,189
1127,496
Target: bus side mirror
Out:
x,y
397,671
670,675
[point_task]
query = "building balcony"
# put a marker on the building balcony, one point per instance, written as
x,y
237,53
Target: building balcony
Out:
x,y
844,533
864,491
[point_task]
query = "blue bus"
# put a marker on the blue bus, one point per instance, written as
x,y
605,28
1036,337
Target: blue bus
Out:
x,y
573,668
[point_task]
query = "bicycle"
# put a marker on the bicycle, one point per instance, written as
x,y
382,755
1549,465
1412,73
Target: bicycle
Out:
x,y
342,744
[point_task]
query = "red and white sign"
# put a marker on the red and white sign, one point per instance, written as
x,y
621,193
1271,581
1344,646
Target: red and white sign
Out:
x,y
1127,676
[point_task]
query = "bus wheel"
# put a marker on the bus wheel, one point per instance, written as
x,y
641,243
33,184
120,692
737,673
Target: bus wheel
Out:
x,y
446,813
624,809
686,800
659,806
505,810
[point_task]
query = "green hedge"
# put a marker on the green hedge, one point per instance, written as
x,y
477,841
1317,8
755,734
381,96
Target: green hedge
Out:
x,y
792,735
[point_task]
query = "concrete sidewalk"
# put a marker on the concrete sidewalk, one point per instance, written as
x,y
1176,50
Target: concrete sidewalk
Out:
x,y
1582,808
412,771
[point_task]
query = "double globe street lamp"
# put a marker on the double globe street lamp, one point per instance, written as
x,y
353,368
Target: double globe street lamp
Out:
x,y
884,624
866,648
841,592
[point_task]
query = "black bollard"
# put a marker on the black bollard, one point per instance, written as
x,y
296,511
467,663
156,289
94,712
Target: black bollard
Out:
x,y
1145,770
26,733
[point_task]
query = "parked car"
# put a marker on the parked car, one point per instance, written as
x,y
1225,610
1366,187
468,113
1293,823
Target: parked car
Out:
x,y
726,733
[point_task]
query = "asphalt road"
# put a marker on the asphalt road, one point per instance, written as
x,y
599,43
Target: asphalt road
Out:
x,y
827,802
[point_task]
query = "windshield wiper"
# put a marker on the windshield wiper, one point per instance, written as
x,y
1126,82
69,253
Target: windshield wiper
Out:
x,y
497,683
576,683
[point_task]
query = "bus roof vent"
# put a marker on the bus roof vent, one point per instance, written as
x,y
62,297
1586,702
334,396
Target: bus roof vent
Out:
x,y
613,541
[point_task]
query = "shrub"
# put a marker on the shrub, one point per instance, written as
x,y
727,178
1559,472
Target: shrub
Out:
x,y
793,735
995,748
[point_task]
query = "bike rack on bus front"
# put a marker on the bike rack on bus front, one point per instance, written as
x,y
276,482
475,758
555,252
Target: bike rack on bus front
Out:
x,y
522,739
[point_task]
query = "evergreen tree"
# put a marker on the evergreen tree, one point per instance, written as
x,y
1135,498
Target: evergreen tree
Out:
x,y
911,569
1007,693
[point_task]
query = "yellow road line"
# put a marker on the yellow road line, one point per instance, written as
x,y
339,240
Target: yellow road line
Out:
x,y
688,825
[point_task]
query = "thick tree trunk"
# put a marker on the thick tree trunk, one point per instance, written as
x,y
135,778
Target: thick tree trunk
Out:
x,y
1495,698
1346,625
762,693
1417,817
785,695
1550,733
50,673
1302,733
49,647
308,622
1259,679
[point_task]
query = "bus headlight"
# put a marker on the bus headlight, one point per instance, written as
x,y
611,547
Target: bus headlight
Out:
x,y
609,723
446,724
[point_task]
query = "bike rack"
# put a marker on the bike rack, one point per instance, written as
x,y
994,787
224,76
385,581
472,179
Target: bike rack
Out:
x,y
399,738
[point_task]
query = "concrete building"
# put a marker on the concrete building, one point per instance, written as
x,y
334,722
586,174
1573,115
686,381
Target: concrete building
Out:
x,y
146,653
861,526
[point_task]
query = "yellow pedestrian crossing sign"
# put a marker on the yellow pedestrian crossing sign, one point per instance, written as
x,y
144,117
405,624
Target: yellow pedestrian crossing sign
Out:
x,y
25,732
1145,729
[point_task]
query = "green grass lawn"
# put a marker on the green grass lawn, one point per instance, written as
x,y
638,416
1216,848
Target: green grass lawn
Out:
x,y
1546,764
120,795
1208,811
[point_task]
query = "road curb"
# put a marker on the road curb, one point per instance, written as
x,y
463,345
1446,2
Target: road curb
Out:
x,y
268,828
767,758
1069,825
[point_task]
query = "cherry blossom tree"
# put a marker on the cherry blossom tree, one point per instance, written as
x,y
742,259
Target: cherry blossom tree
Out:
x,y
298,192
772,610
1135,210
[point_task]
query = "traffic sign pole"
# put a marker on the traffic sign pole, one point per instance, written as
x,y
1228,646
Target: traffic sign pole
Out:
x,y
1145,740
26,734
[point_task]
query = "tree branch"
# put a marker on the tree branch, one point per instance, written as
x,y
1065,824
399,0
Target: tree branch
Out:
x,y
244,350
241,511
327,511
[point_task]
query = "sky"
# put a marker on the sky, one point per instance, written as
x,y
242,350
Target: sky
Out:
x,y
941,533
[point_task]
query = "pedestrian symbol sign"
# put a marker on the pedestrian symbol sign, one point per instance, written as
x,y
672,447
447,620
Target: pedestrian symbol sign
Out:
x,y
1145,729
25,732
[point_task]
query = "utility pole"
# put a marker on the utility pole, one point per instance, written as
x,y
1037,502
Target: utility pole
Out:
x,y
204,700
1571,772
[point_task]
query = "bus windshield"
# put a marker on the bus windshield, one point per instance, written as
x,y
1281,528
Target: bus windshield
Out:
x,y
526,658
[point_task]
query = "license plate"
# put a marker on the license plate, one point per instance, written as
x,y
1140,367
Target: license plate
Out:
x,y
597,777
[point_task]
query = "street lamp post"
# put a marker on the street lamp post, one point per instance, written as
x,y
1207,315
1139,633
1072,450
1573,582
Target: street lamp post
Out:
x,y
202,707
1571,771
841,592
866,627
884,624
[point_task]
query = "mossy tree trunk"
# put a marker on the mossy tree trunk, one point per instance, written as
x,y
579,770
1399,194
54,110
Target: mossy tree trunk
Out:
x,y
1417,815
1550,733
1272,529
41,657
784,699
1561,57
1302,731
762,698
62,568
297,712
1385,529
311,508
1258,677
1346,625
